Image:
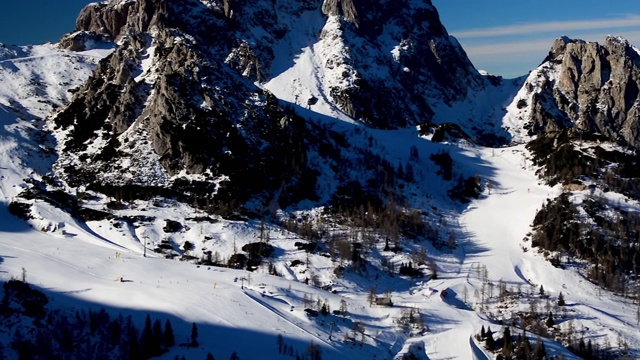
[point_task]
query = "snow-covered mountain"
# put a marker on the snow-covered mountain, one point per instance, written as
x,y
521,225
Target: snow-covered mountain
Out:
x,y
591,87
305,164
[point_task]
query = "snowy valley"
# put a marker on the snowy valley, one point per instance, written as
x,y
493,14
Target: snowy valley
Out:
x,y
314,187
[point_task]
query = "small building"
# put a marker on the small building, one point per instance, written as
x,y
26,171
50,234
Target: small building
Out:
x,y
384,301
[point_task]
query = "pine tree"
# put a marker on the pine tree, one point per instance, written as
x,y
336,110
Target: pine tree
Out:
x,y
234,356
210,357
489,342
550,321
168,339
343,307
524,347
134,346
114,329
561,300
280,342
194,335
146,339
372,296
483,333
314,351
433,269
507,347
157,336
323,310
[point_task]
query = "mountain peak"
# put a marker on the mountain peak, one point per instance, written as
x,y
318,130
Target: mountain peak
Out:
x,y
590,86
344,8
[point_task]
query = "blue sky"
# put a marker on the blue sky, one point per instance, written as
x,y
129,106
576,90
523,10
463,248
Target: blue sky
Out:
x,y
25,22
509,38
504,37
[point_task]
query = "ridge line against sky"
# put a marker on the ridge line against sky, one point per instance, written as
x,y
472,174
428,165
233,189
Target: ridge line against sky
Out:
x,y
510,38
504,37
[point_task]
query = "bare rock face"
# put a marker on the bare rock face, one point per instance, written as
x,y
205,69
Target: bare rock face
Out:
x,y
177,99
395,60
105,18
344,8
398,61
164,105
596,88
78,41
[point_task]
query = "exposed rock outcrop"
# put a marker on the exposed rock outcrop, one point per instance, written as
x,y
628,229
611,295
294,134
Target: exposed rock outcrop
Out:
x,y
79,41
388,63
177,99
164,105
594,88
105,18
344,8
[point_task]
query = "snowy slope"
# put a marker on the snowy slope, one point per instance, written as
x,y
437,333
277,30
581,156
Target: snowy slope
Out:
x,y
211,297
102,263
35,80
86,253
307,78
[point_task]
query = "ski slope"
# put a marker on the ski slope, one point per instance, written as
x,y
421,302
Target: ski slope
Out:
x,y
102,264
80,269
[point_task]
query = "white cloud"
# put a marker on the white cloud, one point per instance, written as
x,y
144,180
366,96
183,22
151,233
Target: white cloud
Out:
x,y
629,21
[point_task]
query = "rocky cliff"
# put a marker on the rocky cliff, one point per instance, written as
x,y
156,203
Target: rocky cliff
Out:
x,y
166,111
393,61
178,105
592,87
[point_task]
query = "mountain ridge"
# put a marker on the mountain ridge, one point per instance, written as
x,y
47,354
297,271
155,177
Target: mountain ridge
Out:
x,y
351,144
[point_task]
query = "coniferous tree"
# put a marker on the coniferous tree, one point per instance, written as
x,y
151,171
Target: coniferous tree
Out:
x,y
314,351
134,347
524,347
234,356
168,339
280,342
157,337
115,331
549,322
489,341
582,347
146,339
507,346
194,335
343,307
561,299
210,357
